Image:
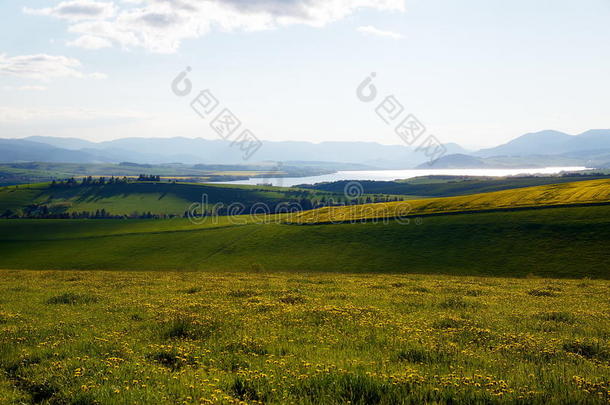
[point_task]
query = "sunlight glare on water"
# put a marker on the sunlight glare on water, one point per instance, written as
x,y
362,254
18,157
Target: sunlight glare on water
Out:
x,y
390,175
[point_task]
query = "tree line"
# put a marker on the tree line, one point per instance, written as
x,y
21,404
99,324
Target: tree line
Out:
x,y
91,181
42,211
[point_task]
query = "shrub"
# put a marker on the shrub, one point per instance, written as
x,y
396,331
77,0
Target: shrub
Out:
x,y
564,317
588,349
292,299
474,293
242,293
193,290
244,389
40,392
399,285
184,327
345,388
449,323
257,268
414,354
72,299
167,358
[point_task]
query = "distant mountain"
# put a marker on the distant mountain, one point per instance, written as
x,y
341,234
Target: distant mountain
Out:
x,y
17,150
199,150
63,143
550,143
544,148
594,139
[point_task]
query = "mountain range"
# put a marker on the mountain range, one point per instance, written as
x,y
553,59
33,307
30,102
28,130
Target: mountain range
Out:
x,y
537,149
545,148
204,151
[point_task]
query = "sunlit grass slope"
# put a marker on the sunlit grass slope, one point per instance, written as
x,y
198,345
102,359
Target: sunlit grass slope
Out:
x,y
554,242
582,192
450,186
142,197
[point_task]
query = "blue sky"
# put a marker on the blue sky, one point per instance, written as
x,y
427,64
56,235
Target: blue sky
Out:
x,y
478,73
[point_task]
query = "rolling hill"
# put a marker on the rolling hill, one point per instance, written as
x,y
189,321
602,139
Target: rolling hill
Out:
x,y
555,242
165,198
484,235
583,192
449,186
134,197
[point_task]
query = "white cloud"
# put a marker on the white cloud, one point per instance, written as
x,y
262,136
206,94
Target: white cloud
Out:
x,y
43,67
76,10
161,25
370,30
90,42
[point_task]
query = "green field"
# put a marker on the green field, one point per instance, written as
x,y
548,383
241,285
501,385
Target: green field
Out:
x,y
161,198
553,242
168,198
277,338
37,172
448,186
488,305
564,194
483,236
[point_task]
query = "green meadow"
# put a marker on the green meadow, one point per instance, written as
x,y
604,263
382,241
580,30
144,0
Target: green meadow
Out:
x,y
552,242
482,306
302,338
158,198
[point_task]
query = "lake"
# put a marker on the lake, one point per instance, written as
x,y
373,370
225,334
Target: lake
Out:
x,y
389,175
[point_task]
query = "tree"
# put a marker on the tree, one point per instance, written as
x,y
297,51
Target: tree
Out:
x,y
8,213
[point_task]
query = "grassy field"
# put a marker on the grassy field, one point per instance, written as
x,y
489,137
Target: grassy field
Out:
x,y
553,242
448,186
155,197
164,198
582,192
307,311
37,172
186,338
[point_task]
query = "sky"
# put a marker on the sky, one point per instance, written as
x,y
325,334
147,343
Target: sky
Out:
x,y
476,72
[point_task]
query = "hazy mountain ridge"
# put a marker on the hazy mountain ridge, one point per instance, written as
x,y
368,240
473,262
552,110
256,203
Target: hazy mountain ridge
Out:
x,y
538,149
544,148
17,150
550,143
198,150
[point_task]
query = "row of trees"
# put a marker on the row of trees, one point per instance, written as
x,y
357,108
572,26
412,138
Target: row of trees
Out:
x,y
149,177
90,181
35,211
